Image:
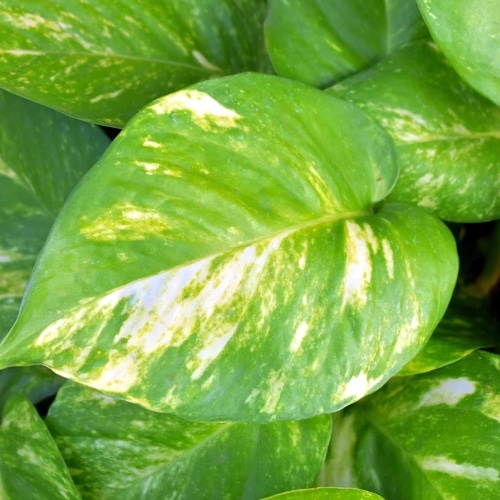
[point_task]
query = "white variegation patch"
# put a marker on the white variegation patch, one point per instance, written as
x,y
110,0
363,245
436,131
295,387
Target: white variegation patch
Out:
x,y
202,60
449,392
205,111
389,258
358,386
275,385
300,334
447,465
106,96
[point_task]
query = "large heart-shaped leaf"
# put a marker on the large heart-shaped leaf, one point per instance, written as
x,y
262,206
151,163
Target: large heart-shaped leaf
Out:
x,y
467,32
435,435
103,61
321,41
230,260
447,135
30,463
117,449
43,154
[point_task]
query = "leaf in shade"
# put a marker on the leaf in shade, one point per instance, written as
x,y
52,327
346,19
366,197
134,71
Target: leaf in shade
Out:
x,y
322,41
103,61
432,436
468,35
466,326
447,136
231,260
117,449
30,463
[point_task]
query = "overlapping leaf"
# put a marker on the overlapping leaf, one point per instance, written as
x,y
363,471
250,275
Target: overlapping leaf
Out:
x,y
466,326
322,41
468,36
30,463
119,450
103,61
430,436
447,135
230,265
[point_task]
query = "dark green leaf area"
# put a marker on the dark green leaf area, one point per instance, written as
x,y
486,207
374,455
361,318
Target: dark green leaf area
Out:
x,y
447,136
434,435
102,62
466,326
468,36
30,463
119,450
319,42
42,156
34,382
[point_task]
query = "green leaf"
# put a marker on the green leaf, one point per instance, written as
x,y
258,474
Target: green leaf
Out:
x,y
117,449
103,61
468,35
466,326
34,382
321,41
231,261
447,136
327,494
43,154
431,436
30,463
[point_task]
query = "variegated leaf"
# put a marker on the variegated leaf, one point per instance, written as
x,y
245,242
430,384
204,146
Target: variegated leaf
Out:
x,y
103,61
327,494
119,450
466,326
468,35
30,463
230,261
447,136
322,41
43,154
432,436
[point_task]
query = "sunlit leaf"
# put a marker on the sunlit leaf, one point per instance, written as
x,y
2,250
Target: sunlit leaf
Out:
x,y
431,436
321,41
43,154
467,32
119,450
230,261
30,463
466,326
103,61
447,136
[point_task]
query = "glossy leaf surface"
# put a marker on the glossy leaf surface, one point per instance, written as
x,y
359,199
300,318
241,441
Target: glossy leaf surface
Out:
x,y
447,136
230,261
467,325
30,463
322,41
103,61
468,35
327,494
119,450
431,436
43,154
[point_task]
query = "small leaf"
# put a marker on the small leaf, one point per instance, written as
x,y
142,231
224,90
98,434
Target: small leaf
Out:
x,y
43,154
321,41
103,61
30,463
468,36
431,436
447,136
327,494
118,449
231,260
466,326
